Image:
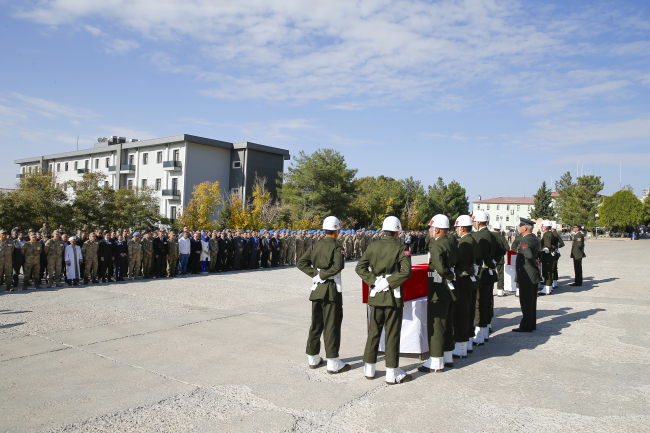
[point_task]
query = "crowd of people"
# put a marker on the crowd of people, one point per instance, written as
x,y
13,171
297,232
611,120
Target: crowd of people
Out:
x,y
100,256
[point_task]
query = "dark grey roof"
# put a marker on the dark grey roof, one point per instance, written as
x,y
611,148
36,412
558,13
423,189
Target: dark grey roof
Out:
x,y
156,141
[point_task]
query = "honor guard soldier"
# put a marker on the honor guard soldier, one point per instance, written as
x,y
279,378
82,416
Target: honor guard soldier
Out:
x,y
54,248
90,253
527,275
135,256
6,258
147,254
487,274
577,254
385,266
559,243
323,262
442,258
501,263
31,252
546,255
465,286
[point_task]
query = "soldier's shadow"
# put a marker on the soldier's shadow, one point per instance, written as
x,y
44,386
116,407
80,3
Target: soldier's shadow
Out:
x,y
508,343
588,283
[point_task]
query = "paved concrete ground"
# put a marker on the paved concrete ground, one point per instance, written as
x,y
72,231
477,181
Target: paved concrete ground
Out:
x,y
226,353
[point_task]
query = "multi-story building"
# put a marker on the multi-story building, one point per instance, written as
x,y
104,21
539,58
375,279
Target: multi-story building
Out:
x,y
171,165
507,210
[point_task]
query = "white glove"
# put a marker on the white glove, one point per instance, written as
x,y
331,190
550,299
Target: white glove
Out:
x,y
453,272
495,262
545,250
317,279
381,284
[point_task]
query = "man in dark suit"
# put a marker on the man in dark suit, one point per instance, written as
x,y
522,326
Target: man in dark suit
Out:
x,y
255,250
275,245
195,253
106,258
528,278
224,249
246,253
577,254
238,247
265,244
161,254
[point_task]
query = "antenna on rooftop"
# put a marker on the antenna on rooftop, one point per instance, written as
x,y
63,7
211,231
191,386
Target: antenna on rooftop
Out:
x,y
77,142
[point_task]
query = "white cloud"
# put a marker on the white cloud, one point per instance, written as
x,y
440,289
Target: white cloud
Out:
x,y
92,30
120,46
22,105
628,159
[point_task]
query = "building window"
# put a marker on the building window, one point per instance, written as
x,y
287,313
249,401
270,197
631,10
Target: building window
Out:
x,y
51,167
234,190
174,184
497,207
488,207
177,155
478,207
131,159
507,218
129,184
66,166
29,169
86,162
529,208
105,184
76,165
58,166
144,183
508,207
159,157
517,207
145,158
96,164
172,213
158,183
236,164
108,162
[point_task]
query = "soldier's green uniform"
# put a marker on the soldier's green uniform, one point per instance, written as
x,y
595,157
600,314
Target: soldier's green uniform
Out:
x,y
90,253
385,259
135,258
147,257
443,255
465,294
44,231
6,259
214,255
557,244
291,250
31,252
546,256
300,246
172,261
326,300
487,246
528,279
54,250
503,244
577,254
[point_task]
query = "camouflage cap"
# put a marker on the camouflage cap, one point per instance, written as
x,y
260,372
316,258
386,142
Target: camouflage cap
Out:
x,y
3,232
55,232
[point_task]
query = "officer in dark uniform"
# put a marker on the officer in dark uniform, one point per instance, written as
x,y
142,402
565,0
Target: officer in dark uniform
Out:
x,y
238,246
255,251
265,244
527,275
503,243
161,254
546,255
224,248
465,286
385,266
577,254
443,256
275,244
557,244
246,253
106,258
488,246
231,250
121,253
323,262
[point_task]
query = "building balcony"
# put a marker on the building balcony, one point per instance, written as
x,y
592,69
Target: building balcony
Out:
x,y
172,165
112,168
19,176
82,170
171,194
127,169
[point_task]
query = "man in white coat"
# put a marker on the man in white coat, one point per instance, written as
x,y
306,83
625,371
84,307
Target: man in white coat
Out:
x,y
73,258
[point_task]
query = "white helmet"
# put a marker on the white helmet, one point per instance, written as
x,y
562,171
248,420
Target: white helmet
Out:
x,y
546,223
496,226
463,221
440,221
554,225
392,224
480,216
331,223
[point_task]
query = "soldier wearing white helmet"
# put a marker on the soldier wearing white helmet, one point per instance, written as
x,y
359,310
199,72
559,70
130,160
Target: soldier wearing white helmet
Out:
x,y
558,243
488,248
385,266
465,285
443,255
547,256
503,242
323,262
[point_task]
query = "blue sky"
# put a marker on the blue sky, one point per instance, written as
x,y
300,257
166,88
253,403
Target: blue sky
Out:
x,y
498,95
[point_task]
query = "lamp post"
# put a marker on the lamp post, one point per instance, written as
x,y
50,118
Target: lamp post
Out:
x,y
596,220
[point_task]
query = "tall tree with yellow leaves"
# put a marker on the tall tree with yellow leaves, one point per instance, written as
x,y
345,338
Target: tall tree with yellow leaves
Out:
x,y
199,211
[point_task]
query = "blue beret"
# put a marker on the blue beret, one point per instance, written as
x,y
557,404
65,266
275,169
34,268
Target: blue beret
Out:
x,y
136,234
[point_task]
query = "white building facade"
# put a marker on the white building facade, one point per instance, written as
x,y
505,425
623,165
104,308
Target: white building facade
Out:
x,y
171,165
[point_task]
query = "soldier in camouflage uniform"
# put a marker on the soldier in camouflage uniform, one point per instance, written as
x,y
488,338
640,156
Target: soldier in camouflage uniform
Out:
x,y
6,258
291,249
300,246
308,242
349,246
284,248
213,266
90,253
135,256
172,261
147,254
31,251
357,245
44,231
54,248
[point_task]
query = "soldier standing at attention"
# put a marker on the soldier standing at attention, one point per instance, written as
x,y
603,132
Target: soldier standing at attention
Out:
x,y
213,266
559,243
502,262
323,262
6,258
120,251
300,245
90,253
54,248
547,253
527,275
443,255
577,254
291,249
385,266
465,286
172,261
134,252
106,258
487,275
147,254
31,251
161,254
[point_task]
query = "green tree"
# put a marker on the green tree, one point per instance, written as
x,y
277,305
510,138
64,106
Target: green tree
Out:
x,y
138,208
646,210
37,200
578,202
94,202
621,211
318,184
377,198
450,200
543,205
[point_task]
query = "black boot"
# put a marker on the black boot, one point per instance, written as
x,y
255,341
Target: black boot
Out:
x,y
85,280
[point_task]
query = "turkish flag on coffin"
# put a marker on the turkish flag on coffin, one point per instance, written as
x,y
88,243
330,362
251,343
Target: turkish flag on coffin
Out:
x,y
414,288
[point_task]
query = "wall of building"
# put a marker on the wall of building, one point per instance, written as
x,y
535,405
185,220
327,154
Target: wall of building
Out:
x,y
205,163
508,214
266,165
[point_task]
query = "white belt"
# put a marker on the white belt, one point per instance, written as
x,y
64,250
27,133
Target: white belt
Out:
x,y
336,278
438,279
396,291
